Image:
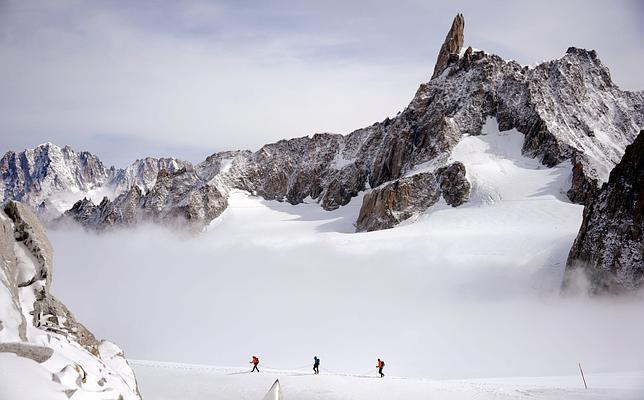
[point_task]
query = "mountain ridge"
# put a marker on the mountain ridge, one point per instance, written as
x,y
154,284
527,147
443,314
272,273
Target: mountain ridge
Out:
x,y
567,109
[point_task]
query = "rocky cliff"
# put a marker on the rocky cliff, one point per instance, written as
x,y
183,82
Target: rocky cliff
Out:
x,y
609,249
35,325
568,110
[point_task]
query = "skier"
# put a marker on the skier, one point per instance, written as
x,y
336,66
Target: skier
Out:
x,y
255,362
380,366
316,365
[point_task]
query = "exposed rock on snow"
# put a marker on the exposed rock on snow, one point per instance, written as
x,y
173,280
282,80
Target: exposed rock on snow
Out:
x,y
36,326
393,202
453,183
451,46
609,249
39,354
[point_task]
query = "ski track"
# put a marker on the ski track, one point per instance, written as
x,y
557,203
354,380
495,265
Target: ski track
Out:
x,y
161,381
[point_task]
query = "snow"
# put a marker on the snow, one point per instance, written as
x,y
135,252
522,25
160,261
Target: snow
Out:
x,y
161,381
499,172
226,163
467,292
24,379
340,161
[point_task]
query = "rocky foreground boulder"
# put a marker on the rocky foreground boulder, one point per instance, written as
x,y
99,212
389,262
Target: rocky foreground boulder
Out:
x,y
34,325
608,253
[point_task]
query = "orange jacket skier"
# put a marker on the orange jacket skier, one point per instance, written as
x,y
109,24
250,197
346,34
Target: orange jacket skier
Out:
x,y
255,362
380,366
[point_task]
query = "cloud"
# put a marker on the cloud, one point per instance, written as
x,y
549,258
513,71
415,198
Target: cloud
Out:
x,y
209,76
454,301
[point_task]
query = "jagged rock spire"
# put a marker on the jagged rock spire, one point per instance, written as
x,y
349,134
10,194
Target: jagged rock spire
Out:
x,y
452,45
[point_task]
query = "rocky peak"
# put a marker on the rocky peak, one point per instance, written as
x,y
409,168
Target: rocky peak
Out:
x,y
451,46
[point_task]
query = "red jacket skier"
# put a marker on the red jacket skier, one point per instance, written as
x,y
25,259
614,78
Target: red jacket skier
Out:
x,y
380,366
255,362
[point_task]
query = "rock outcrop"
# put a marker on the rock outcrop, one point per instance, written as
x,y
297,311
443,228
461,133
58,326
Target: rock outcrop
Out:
x,y
37,326
609,249
455,187
449,52
393,202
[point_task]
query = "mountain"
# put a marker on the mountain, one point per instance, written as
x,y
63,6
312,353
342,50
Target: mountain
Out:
x,y
49,174
50,178
39,336
568,110
609,249
555,105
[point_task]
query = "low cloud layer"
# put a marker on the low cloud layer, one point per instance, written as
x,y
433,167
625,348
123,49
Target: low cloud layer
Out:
x,y
440,305
128,80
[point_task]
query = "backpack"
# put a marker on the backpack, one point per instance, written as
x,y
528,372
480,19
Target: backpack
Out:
x,y
382,363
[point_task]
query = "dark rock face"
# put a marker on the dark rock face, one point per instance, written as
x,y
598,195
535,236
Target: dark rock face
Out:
x,y
451,46
454,186
609,249
393,202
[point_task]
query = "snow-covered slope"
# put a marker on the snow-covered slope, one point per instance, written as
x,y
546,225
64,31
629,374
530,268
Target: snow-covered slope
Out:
x,y
44,352
166,381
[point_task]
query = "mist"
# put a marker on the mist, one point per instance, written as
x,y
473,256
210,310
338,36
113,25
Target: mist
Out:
x,y
289,282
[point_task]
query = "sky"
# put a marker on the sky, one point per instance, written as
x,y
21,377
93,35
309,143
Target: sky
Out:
x,y
126,80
